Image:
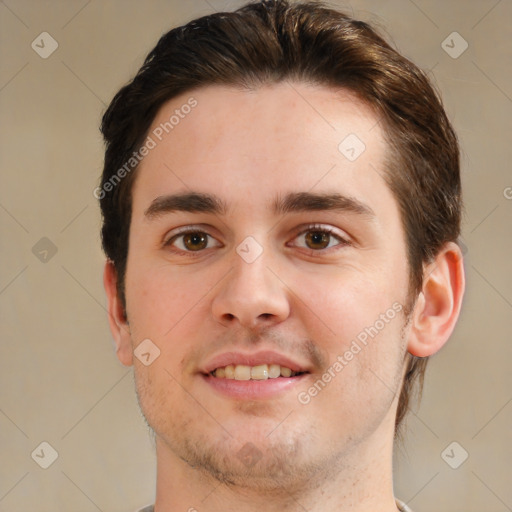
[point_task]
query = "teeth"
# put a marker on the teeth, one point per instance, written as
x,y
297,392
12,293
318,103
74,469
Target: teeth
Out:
x,y
242,372
260,372
229,372
274,371
285,372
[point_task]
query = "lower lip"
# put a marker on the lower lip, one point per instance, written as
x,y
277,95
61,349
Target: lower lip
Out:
x,y
253,389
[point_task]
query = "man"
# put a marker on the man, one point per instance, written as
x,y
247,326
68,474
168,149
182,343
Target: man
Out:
x,y
281,202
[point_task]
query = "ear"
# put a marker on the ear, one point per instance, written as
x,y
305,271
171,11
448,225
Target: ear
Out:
x,y
438,305
118,323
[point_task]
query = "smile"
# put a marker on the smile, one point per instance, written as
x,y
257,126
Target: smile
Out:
x,y
259,372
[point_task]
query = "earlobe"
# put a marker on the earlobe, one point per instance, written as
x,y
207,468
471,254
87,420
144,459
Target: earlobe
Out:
x,y
438,306
116,316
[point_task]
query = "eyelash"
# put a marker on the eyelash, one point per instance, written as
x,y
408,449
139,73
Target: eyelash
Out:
x,y
186,231
342,242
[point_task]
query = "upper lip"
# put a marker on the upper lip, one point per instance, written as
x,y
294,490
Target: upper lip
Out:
x,y
258,358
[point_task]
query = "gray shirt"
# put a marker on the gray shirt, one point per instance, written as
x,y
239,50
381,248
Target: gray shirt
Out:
x,y
401,506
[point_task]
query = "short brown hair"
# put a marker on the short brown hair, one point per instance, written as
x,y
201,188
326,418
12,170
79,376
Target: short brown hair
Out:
x,y
271,41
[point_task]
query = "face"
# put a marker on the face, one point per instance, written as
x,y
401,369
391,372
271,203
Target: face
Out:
x,y
262,249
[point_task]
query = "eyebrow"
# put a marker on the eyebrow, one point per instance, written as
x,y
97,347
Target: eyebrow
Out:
x,y
308,201
186,202
293,202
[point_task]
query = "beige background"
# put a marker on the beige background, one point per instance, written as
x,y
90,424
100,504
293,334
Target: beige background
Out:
x,y
60,381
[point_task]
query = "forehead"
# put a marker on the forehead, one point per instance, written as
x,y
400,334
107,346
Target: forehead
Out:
x,y
243,143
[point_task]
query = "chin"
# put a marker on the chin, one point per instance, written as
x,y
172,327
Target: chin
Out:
x,y
269,463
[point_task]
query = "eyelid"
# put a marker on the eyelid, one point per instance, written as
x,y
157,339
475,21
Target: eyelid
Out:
x,y
343,238
183,230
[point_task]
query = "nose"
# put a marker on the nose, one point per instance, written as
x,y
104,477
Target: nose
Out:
x,y
251,295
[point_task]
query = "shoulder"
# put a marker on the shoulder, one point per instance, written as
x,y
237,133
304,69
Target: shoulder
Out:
x,y
400,504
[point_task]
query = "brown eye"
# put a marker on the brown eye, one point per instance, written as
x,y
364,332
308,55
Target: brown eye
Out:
x,y
195,241
191,242
320,239
317,239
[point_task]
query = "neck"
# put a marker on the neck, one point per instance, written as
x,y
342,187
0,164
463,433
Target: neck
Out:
x,y
360,481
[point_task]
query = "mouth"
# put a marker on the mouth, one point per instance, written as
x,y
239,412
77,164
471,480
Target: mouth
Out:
x,y
258,372
258,376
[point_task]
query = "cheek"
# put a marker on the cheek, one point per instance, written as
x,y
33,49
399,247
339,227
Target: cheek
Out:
x,y
157,390
160,298
343,304
168,307
362,321
362,379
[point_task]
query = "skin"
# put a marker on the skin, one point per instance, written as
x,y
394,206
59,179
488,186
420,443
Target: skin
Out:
x,y
309,303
